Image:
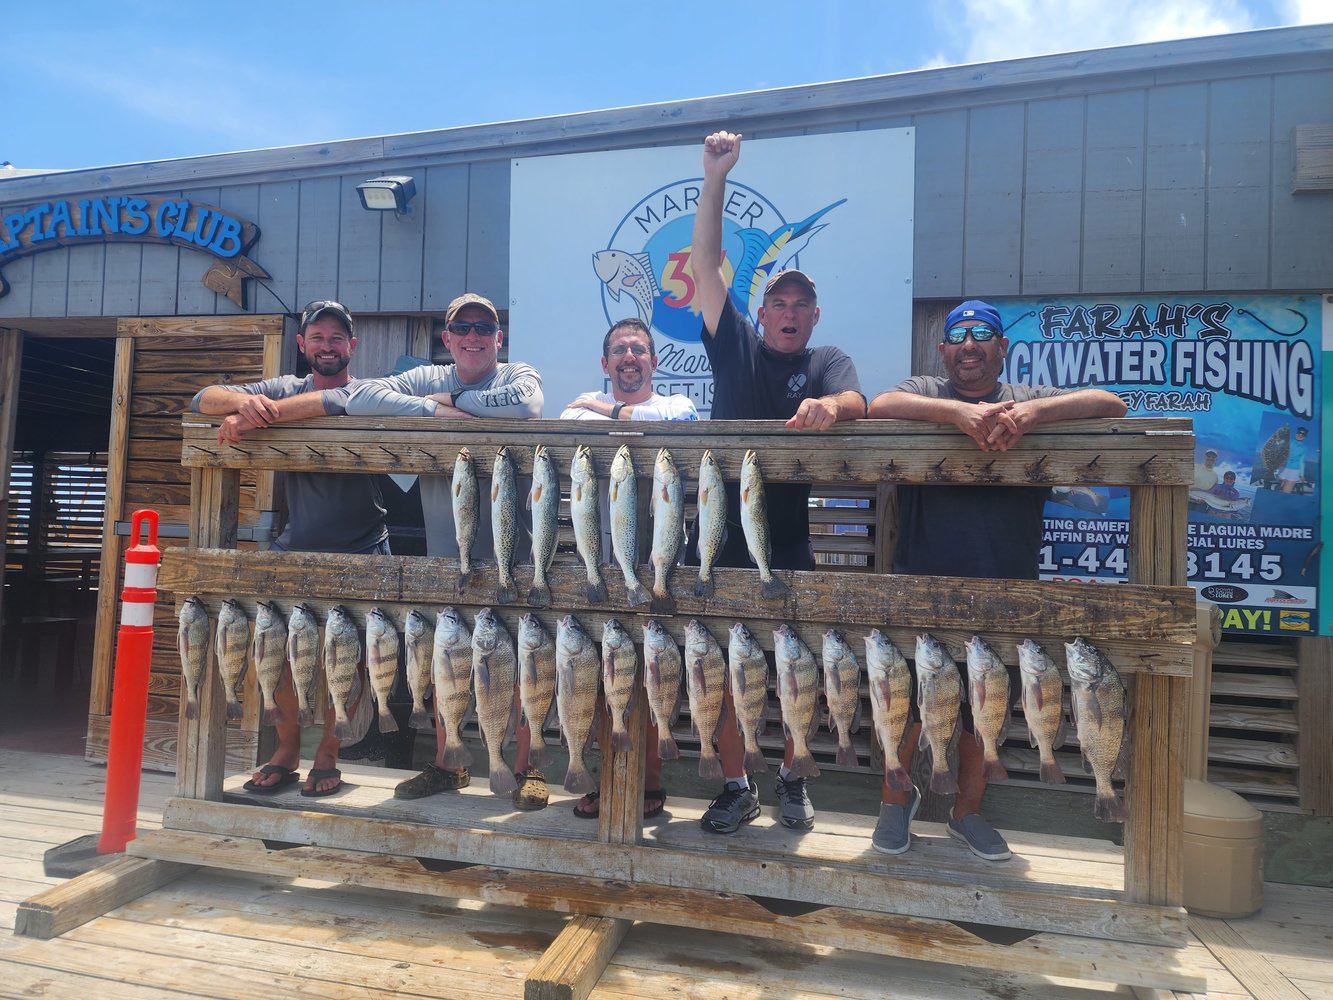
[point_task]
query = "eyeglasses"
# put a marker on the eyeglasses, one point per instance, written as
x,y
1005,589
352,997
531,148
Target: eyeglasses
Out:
x,y
980,333
638,350
483,329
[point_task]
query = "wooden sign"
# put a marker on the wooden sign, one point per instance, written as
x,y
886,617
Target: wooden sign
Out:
x,y
137,219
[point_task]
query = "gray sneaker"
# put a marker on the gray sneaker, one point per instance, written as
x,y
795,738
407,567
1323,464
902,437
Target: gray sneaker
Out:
x,y
794,809
893,832
736,805
980,837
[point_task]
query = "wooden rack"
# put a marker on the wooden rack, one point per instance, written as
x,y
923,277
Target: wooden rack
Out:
x,y
1083,908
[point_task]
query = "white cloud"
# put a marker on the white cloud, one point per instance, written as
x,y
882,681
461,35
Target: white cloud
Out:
x,y
1304,11
1009,29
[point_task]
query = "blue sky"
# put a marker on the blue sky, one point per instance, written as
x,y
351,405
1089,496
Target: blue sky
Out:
x,y
98,82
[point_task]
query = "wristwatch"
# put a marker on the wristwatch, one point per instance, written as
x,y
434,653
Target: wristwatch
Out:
x,y
615,411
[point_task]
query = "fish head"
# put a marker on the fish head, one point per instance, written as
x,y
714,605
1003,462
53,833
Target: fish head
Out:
x,y
707,464
417,623
653,633
232,611
981,657
570,636
503,465
622,466
192,609
463,463
608,265
1086,662
880,651
931,655
613,633
835,645
1033,660
531,633
377,622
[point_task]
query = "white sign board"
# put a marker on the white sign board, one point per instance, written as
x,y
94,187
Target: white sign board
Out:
x,y
599,237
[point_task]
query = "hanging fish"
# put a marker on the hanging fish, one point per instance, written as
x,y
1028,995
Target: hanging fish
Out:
x,y
192,644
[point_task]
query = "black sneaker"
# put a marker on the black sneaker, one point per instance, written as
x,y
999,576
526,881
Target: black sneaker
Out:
x,y
794,809
736,805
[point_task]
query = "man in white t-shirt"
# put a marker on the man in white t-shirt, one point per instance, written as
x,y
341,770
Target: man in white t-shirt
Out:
x,y
629,359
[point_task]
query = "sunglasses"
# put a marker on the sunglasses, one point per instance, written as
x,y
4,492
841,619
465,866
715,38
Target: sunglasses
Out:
x,y
315,308
980,333
483,329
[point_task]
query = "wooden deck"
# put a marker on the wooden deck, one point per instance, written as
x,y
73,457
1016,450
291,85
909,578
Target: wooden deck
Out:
x,y
218,934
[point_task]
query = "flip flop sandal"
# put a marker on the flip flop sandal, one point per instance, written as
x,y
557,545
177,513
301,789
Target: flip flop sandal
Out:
x,y
289,775
318,774
648,793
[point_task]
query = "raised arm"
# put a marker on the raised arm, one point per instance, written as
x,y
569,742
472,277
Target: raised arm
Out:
x,y
721,151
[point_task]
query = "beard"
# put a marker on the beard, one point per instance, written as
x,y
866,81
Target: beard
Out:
x,y
330,366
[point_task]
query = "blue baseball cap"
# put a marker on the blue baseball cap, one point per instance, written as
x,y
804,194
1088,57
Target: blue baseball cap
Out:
x,y
975,309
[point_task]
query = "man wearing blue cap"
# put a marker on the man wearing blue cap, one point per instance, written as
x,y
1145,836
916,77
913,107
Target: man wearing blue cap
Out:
x,y
977,531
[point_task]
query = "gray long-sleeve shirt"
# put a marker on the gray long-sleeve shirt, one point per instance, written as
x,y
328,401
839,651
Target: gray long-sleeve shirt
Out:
x,y
513,391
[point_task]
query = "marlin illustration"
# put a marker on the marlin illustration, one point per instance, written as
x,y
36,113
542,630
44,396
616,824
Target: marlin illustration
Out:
x,y
765,253
621,271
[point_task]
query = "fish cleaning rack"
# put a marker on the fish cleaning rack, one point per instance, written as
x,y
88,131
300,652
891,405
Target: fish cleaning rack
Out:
x,y
1082,908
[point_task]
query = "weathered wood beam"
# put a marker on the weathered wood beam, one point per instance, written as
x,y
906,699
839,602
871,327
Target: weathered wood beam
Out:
x,y
63,907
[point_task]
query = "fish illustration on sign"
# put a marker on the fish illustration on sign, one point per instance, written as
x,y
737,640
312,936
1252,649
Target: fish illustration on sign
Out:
x,y
767,253
621,271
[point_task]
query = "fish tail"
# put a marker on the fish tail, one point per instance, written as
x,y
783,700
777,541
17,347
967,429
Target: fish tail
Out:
x,y
578,780
666,747
539,595
704,586
597,591
755,763
846,756
456,756
898,779
943,782
192,708
637,594
388,724
1051,773
710,766
664,604
1108,808
271,716
305,718
503,781
620,741
803,765
994,770
505,594
343,729
772,588
464,578
420,719
537,754
234,710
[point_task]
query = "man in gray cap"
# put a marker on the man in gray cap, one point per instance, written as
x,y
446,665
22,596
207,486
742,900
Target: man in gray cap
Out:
x,y
477,384
775,375
327,512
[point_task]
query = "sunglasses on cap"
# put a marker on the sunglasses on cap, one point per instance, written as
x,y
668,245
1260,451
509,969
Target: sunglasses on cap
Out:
x,y
980,333
313,310
484,328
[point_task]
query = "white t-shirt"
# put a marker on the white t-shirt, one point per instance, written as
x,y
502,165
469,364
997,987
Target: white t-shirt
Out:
x,y
656,407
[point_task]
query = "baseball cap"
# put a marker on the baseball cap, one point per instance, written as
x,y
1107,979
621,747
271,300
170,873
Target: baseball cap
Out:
x,y
320,307
791,274
975,309
470,299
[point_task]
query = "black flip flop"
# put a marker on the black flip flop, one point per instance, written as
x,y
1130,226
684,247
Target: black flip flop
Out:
x,y
289,776
318,774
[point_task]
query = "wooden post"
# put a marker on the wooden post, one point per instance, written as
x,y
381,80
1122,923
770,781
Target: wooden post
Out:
x,y
1314,694
202,743
574,962
1159,712
620,818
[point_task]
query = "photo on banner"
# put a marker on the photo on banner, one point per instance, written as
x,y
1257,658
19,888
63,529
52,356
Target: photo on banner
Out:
x,y
1246,369
600,237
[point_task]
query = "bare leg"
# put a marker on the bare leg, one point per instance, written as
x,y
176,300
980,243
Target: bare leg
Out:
x,y
730,743
288,751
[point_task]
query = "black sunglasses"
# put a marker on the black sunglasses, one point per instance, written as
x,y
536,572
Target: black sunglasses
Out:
x,y
483,328
980,333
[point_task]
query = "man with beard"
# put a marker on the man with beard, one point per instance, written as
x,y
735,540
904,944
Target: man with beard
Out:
x,y
974,531
326,512
629,359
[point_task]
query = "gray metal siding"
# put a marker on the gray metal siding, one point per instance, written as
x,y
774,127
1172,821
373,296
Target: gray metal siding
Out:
x,y
1123,171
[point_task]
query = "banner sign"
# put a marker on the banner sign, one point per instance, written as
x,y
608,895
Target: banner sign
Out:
x,y
137,219
1246,369
600,237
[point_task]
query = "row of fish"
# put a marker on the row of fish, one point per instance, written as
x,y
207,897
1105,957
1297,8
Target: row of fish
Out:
x,y
667,511
565,673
